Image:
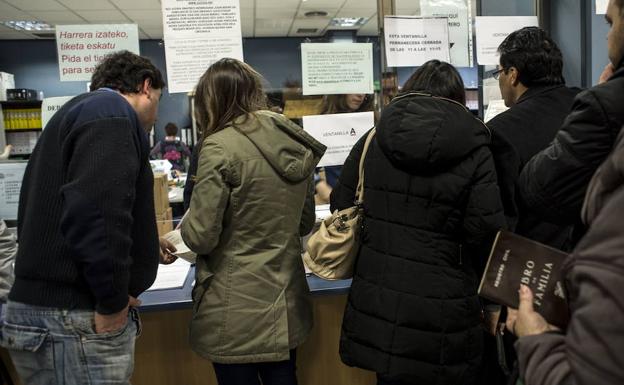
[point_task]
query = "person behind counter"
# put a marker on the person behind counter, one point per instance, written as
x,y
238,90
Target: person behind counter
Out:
x,y
338,104
87,230
252,200
431,206
172,148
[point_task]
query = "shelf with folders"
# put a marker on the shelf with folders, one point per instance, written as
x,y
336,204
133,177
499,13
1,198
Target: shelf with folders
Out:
x,y
20,126
21,115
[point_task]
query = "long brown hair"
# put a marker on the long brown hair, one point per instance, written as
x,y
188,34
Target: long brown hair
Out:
x,y
228,89
335,104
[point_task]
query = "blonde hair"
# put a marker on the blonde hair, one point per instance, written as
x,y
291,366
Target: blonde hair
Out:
x,y
227,90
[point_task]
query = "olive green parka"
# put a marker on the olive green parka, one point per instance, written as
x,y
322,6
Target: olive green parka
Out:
x,y
252,201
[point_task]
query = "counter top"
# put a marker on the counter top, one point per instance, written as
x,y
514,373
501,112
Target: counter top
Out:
x,y
180,298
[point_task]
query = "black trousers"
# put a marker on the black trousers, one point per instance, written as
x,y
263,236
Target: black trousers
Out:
x,y
271,373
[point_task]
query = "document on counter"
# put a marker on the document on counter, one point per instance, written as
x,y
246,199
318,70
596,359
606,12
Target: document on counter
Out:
x,y
171,276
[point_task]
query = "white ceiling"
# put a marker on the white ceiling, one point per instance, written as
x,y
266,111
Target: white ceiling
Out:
x,y
259,18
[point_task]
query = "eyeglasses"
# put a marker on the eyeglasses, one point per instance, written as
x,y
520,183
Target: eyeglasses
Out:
x,y
496,74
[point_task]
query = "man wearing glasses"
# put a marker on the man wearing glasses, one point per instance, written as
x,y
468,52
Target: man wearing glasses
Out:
x,y
532,85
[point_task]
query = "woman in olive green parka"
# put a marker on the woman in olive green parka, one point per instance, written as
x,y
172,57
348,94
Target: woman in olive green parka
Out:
x,y
252,200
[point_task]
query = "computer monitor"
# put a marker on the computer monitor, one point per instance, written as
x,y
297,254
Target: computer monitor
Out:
x,y
11,174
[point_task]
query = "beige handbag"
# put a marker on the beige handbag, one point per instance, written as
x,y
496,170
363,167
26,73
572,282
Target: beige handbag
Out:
x,y
332,250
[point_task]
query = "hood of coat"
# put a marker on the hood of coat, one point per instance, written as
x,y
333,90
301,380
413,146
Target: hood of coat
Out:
x,y
419,132
291,151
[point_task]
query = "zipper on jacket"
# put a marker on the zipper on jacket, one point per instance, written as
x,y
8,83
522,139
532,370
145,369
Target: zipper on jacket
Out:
x,y
460,254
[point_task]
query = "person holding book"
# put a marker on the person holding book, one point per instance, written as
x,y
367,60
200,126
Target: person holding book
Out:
x,y
531,83
430,202
253,199
554,181
589,350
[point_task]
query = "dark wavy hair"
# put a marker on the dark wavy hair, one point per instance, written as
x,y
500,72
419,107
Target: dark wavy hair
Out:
x,y
125,72
534,54
437,78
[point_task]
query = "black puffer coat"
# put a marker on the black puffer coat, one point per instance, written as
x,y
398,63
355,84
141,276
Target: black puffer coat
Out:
x,y
430,201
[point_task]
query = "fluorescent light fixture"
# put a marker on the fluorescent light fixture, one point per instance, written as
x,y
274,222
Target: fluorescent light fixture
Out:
x,y
28,25
348,21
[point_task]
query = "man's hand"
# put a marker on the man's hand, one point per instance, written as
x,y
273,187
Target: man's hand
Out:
x,y
606,73
166,250
108,323
525,321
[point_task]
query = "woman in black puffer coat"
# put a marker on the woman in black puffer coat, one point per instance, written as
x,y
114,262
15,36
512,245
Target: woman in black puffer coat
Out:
x,y
431,209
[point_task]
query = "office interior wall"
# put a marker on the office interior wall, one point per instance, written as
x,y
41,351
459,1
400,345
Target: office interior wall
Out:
x,y
34,64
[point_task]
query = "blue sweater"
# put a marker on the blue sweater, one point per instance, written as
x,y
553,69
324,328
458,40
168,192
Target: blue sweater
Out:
x,y
87,227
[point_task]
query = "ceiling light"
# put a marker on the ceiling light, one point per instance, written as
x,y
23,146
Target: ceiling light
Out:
x,y
315,14
28,25
347,21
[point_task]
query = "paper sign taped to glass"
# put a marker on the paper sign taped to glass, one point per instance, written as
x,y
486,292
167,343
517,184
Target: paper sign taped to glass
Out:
x,y
339,132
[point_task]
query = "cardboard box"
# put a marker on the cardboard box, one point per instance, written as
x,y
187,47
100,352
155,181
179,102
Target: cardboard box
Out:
x,y
164,222
161,193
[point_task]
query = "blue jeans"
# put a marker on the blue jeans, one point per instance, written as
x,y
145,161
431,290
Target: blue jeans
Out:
x,y
271,373
56,346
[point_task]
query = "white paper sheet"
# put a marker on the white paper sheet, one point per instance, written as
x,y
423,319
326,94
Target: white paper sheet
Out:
x,y
11,174
49,106
197,34
459,27
339,132
171,276
494,108
81,47
492,30
601,7
337,68
182,250
412,40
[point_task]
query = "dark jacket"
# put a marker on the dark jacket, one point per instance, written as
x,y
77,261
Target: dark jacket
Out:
x,y
554,181
590,352
518,134
86,221
430,200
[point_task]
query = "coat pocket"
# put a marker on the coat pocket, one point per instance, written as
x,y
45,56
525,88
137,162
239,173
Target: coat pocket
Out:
x,y
199,290
21,337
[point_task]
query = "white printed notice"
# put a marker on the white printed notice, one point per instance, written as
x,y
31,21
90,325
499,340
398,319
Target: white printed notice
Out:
x,y
49,106
459,26
412,40
339,132
601,7
81,47
198,33
11,174
337,68
492,30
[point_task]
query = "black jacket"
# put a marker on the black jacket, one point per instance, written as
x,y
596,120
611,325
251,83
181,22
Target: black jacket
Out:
x,y
518,134
86,221
430,200
554,181
589,352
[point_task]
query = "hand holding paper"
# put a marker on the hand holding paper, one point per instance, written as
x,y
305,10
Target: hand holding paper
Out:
x,y
181,250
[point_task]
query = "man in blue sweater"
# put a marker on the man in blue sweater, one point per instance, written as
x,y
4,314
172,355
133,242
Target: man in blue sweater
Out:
x,y
87,232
